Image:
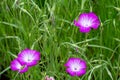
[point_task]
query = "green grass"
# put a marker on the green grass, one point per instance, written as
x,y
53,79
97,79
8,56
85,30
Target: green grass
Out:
x,y
47,26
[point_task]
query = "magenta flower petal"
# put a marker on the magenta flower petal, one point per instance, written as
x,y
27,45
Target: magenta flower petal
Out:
x,y
85,29
25,69
29,57
82,72
76,23
17,66
69,62
76,67
96,21
32,63
69,70
82,16
86,21
92,16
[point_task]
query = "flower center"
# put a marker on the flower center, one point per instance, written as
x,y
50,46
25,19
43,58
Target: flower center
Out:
x,y
29,59
75,69
86,21
22,67
86,25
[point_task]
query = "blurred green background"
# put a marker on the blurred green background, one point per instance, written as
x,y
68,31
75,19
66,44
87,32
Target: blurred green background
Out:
x,y
47,26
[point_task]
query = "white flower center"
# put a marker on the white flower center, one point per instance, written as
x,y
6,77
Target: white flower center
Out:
x,y
19,66
86,21
75,67
28,57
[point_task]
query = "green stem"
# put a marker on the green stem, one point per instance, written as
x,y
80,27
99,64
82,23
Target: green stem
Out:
x,y
4,70
82,4
16,76
86,36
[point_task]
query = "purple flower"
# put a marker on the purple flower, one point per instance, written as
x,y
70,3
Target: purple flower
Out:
x,y
76,67
17,66
86,21
29,57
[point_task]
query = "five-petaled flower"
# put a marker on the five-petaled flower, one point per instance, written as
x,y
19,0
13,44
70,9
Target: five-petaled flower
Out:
x,y
76,67
29,57
17,66
86,21
26,58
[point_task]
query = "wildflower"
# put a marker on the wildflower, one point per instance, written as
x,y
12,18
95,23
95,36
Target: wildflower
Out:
x,y
49,78
76,67
29,57
86,21
17,66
